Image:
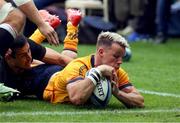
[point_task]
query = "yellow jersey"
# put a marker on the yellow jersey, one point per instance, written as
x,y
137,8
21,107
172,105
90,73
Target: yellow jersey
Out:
x,y
56,91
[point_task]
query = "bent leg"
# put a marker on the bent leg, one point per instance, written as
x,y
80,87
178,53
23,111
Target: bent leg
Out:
x,y
10,27
16,19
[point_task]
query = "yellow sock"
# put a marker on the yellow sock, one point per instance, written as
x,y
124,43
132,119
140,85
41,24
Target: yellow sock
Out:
x,y
37,37
71,39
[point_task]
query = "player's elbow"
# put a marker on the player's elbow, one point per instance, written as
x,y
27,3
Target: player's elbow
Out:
x,y
141,104
76,94
76,99
138,103
64,60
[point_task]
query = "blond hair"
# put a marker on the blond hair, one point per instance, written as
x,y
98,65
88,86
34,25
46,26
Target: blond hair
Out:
x,y
107,38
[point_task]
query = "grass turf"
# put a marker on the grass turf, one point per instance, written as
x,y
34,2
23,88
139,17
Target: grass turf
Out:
x,y
152,67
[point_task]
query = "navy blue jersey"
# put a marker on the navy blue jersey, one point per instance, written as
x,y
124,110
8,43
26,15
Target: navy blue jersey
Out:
x,y
34,81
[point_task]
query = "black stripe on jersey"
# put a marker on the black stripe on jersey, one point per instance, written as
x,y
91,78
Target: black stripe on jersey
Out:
x,y
73,80
82,69
124,86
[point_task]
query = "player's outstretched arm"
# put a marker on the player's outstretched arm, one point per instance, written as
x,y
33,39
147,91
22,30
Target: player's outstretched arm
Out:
x,y
129,96
54,57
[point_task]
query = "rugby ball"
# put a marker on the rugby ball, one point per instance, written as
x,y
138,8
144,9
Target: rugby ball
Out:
x,y
102,93
128,54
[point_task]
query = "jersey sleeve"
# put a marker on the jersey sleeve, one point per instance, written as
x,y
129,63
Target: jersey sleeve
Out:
x,y
76,71
38,52
123,79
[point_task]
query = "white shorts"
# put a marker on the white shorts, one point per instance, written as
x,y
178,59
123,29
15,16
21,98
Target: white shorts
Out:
x,y
4,11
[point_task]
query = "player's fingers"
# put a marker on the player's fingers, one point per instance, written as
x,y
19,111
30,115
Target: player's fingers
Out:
x,y
113,82
49,40
114,87
53,38
115,77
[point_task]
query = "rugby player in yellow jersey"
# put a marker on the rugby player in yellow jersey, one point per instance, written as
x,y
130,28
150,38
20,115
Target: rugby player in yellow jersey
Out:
x,y
71,85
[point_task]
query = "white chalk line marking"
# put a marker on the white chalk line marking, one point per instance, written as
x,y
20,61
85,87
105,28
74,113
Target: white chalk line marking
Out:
x,y
61,113
159,93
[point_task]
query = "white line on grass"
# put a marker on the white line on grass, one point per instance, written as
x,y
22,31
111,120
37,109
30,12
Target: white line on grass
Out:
x,y
86,112
100,111
158,93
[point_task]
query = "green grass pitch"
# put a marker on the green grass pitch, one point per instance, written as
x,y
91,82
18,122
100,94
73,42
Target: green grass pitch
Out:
x,y
153,69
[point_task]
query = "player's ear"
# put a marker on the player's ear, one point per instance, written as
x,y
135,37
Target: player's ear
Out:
x,y
100,51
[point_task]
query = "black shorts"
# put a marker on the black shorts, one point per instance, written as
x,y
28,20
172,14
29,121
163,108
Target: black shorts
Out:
x,y
6,40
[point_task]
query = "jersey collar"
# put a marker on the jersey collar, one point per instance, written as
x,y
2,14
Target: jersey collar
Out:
x,y
92,61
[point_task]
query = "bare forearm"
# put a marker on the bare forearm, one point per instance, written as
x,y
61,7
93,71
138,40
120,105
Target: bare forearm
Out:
x,y
79,92
54,57
130,100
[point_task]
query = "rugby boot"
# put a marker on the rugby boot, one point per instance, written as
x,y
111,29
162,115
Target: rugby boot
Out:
x,y
7,93
74,16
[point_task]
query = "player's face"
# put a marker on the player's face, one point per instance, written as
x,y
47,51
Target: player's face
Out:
x,y
23,57
113,56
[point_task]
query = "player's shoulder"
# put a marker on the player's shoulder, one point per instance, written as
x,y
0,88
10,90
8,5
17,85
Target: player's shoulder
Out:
x,y
121,73
78,66
121,70
86,60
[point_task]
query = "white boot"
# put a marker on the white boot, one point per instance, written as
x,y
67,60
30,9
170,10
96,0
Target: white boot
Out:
x,y
7,93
